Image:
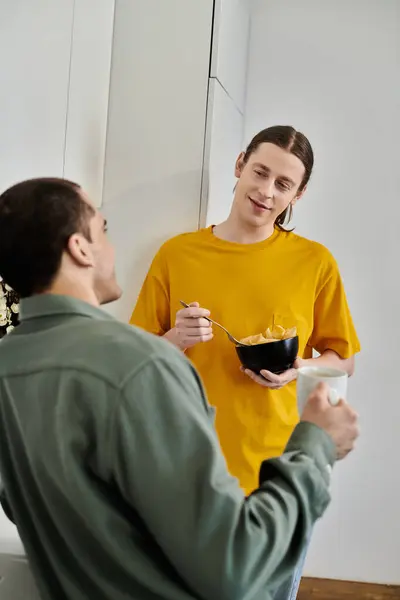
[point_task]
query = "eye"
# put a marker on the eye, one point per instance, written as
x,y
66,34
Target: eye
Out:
x,y
260,173
283,185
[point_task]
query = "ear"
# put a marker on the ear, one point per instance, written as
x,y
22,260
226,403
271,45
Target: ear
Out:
x,y
79,248
298,196
239,165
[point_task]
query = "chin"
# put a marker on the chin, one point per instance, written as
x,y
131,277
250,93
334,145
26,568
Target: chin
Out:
x,y
256,222
110,295
251,219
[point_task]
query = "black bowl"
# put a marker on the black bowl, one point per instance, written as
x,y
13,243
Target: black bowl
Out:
x,y
276,357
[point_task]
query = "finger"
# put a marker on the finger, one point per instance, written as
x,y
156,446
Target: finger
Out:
x,y
342,403
254,376
258,379
198,332
194,323
188,342
352,415
194,312
273,377
321,388
321,392
281,379
194,304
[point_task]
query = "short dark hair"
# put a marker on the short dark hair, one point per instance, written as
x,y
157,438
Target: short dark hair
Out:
x,y
37,218
295,142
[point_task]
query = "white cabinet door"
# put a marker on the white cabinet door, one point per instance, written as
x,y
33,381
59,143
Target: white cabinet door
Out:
x,y
224,136
54,86
35,49
89,88
230,47
155,139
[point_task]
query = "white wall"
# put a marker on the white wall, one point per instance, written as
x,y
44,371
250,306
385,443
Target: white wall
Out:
x,y
225,109
224,137
155,141
54,81
229,48
33,113
226,102
332,69
88,94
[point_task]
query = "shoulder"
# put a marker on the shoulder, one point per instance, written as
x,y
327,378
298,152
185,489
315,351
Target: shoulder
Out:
x,y
310,256
304,244
137,361
183,241
309,248
176,250
114,351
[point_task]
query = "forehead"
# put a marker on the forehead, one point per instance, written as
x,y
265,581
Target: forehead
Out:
x,y
278,161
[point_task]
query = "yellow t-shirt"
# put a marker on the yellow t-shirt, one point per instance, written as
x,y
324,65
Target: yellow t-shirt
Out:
x,y
285,280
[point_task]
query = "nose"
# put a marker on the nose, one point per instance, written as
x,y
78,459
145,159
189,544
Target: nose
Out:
x,y
267,188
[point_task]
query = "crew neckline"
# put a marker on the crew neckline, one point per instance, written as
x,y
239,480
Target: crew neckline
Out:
x,y
237,246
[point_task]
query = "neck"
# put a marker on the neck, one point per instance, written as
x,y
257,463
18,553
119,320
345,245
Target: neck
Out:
x,y
232,230
74,289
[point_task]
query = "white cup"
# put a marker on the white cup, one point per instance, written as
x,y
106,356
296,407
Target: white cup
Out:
x,y
309,377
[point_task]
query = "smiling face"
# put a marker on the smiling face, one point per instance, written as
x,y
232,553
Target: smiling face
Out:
x,y
268,183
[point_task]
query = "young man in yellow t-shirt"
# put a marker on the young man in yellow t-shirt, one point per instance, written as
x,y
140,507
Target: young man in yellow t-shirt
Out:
x,y
249,274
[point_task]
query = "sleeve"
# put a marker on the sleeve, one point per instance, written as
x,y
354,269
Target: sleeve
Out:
x,y
168,465
333,325
152,310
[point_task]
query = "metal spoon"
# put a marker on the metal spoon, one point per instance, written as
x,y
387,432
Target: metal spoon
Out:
x,y
231,338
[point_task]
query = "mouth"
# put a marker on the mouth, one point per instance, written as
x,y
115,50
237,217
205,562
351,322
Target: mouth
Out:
x,y
259,205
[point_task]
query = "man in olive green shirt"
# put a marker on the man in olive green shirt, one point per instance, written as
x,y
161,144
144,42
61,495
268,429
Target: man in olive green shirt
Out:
x,y
110,463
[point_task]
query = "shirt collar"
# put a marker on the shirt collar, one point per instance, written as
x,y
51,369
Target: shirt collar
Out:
x,y
47,305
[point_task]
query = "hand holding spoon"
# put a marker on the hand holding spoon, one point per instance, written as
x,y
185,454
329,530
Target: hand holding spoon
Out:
x,y
231,338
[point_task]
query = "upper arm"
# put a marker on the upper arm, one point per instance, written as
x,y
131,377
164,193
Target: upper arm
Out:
x,y
152,310
333,325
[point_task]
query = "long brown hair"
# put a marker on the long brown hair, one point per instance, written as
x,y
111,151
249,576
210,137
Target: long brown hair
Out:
x,y
295,142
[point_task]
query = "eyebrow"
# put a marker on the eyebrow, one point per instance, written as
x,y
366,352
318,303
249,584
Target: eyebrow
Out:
x,y
267,170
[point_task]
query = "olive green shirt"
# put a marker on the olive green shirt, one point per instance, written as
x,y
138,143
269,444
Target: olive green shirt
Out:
x,y
114,475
